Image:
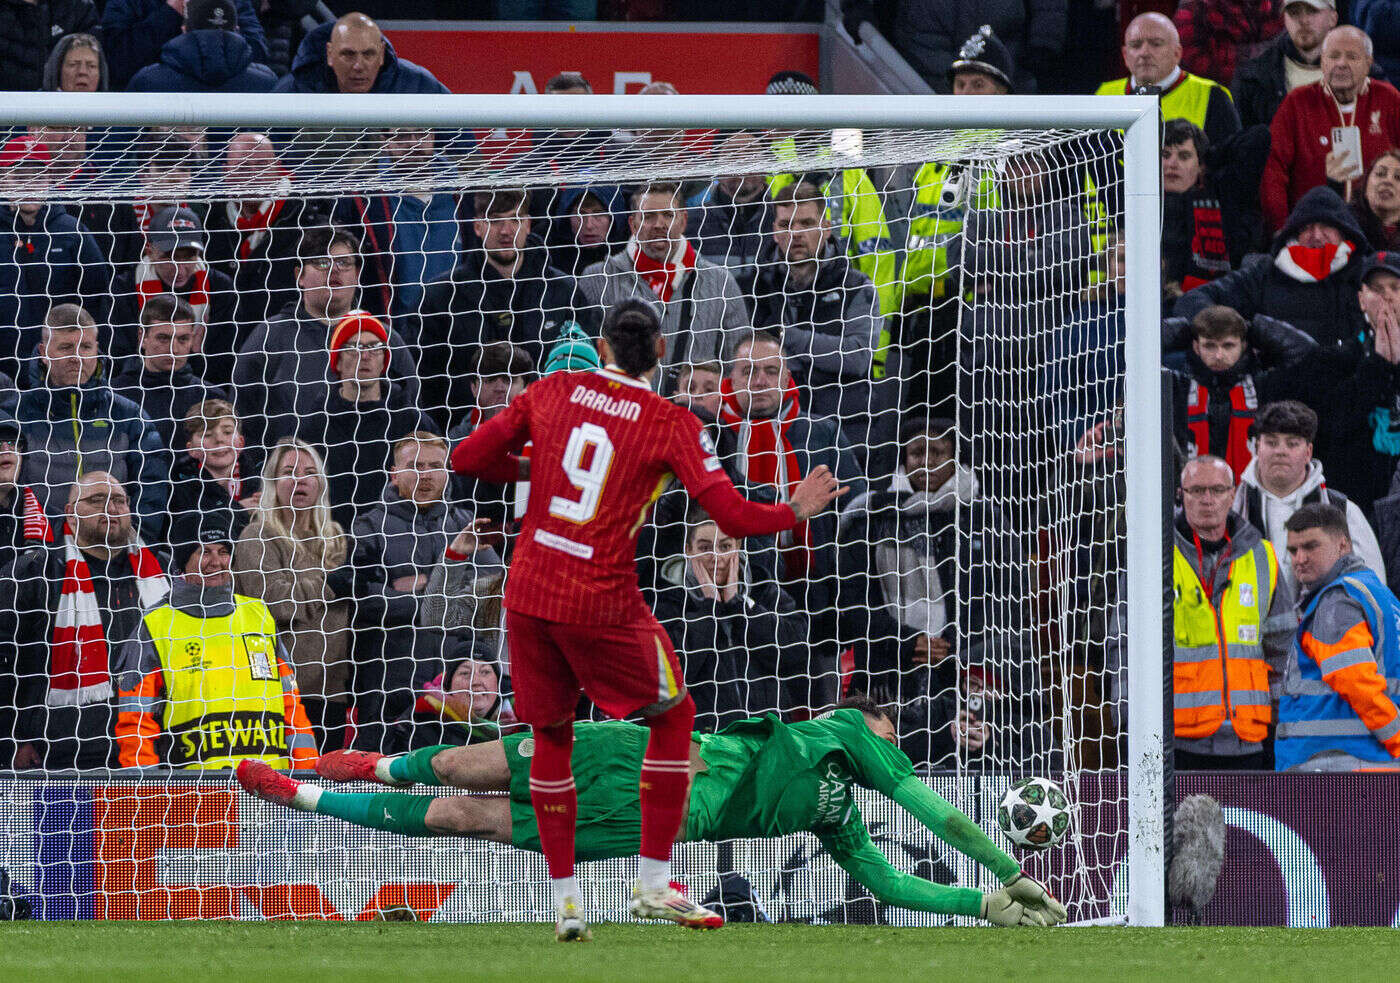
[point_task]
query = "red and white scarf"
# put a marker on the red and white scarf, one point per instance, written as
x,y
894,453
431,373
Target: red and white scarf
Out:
x,y
36,523
196,291
253,229
767,457
661,277
1312,264
79,668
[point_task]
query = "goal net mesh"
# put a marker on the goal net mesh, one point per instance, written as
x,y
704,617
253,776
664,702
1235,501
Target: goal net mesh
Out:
x,y
940,318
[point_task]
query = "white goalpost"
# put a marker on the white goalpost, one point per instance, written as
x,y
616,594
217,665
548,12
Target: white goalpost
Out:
x,y
1035,649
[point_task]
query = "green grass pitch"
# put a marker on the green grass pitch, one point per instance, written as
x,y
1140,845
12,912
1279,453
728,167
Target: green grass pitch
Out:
x,y
284,952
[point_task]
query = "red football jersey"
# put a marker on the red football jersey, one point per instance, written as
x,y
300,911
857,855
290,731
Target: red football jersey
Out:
x,y
604,448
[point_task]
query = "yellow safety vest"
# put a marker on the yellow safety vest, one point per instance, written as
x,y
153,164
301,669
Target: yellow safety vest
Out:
x,y
932,226
1219,671
223,692
1188,99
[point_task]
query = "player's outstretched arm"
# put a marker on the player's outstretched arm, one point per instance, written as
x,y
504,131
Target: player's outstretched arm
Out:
x,y
852,849
952,827
490,451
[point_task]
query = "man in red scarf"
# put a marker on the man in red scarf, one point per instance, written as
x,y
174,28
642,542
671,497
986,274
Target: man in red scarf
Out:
x,y
173,262
64,607
699,302
253,237
778,444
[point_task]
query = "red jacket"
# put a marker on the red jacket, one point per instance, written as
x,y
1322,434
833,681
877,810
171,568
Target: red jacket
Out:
x,y
1302,138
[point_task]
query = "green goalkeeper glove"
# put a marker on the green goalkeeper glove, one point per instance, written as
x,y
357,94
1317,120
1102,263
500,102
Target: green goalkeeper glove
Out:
x,y
1032,894
1000,908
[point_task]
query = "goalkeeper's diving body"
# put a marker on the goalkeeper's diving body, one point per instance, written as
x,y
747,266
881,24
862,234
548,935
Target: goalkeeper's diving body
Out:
x,y
756,778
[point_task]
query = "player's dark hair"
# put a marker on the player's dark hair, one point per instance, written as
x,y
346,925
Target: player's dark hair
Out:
x,y
1287,417
1319,515
631,330
859,701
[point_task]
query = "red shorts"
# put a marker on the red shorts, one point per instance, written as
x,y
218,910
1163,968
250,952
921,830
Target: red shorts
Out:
x,y
621,668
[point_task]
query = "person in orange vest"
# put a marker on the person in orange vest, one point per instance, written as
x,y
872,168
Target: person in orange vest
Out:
x,y
1233,623
1337,711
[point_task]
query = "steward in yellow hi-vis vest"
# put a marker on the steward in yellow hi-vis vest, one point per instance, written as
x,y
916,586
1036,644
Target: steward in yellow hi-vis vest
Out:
x,y
1152,52
1233,621
203,684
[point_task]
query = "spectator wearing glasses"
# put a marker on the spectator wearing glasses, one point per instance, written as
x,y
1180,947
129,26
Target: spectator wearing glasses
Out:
x,y
1229,596
284,368
364,415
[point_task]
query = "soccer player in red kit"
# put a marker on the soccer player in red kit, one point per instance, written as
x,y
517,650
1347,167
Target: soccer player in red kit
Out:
x,y
604,447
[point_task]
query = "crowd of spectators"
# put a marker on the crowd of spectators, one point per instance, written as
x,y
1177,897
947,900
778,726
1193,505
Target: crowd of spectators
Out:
x,y
227,420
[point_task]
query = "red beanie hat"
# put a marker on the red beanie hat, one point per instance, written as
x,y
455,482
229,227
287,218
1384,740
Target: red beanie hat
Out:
x,y
352,324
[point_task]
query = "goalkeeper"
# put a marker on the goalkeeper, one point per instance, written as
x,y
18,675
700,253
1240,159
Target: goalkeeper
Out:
x,y
756,778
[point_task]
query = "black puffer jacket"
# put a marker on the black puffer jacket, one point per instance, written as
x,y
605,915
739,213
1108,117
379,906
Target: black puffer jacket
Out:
x,y
1347,380
29,30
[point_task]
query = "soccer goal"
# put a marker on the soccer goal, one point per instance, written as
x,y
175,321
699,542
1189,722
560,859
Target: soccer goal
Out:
x,y
953,302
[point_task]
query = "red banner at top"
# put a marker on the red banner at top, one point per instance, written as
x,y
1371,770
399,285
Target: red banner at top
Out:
x,y
616,62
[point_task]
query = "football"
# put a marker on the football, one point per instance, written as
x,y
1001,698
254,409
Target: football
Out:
x,y
1034,814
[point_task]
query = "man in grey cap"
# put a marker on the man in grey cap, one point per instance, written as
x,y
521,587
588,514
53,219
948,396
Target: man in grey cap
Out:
x,y
173,262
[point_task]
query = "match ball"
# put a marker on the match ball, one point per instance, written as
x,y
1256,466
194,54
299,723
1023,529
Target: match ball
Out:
x,y
1034,814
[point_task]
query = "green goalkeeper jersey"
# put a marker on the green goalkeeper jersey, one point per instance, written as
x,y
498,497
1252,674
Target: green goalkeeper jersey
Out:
x,y
766,778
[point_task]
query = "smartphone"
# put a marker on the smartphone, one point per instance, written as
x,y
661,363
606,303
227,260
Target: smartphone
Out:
x,y
1347,139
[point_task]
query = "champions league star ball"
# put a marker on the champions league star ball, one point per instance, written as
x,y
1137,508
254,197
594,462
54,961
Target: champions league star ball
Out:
x,y
1034,814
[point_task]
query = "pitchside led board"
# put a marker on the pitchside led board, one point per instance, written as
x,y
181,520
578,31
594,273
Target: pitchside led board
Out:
x,y
617,59
79,849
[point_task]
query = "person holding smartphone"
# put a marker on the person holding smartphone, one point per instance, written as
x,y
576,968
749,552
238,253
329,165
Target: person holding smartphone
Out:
x,y
1330,130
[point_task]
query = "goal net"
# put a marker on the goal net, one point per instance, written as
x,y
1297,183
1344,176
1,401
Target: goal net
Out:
x,y
224,339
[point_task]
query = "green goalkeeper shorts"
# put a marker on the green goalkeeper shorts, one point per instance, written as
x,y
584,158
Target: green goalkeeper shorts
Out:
x,y
607,763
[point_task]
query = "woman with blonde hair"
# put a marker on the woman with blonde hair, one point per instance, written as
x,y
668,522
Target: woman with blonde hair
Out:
x,y
291,557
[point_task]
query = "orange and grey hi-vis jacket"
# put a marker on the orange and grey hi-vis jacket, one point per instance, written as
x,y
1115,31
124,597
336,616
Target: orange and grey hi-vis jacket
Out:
x,y
204,685
1343,678
1233,620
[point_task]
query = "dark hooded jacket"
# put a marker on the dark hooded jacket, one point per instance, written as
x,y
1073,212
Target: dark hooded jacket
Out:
x,y
311,73
1347,381
53,68
53,261
356,440
205,61
28,30
134,32
735,653
476,306
165,397
394,539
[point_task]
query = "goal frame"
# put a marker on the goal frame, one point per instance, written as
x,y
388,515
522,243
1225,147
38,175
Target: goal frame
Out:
x,y
1138,117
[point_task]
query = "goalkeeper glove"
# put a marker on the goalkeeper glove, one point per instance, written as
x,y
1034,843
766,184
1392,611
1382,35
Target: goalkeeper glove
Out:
x,y
1000,908
1031,893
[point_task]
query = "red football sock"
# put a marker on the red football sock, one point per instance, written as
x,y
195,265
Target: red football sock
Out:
x,y
553,795
666,778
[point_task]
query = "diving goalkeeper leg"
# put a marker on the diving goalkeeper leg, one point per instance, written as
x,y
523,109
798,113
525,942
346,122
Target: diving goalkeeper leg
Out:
x,y
475,767
397,812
